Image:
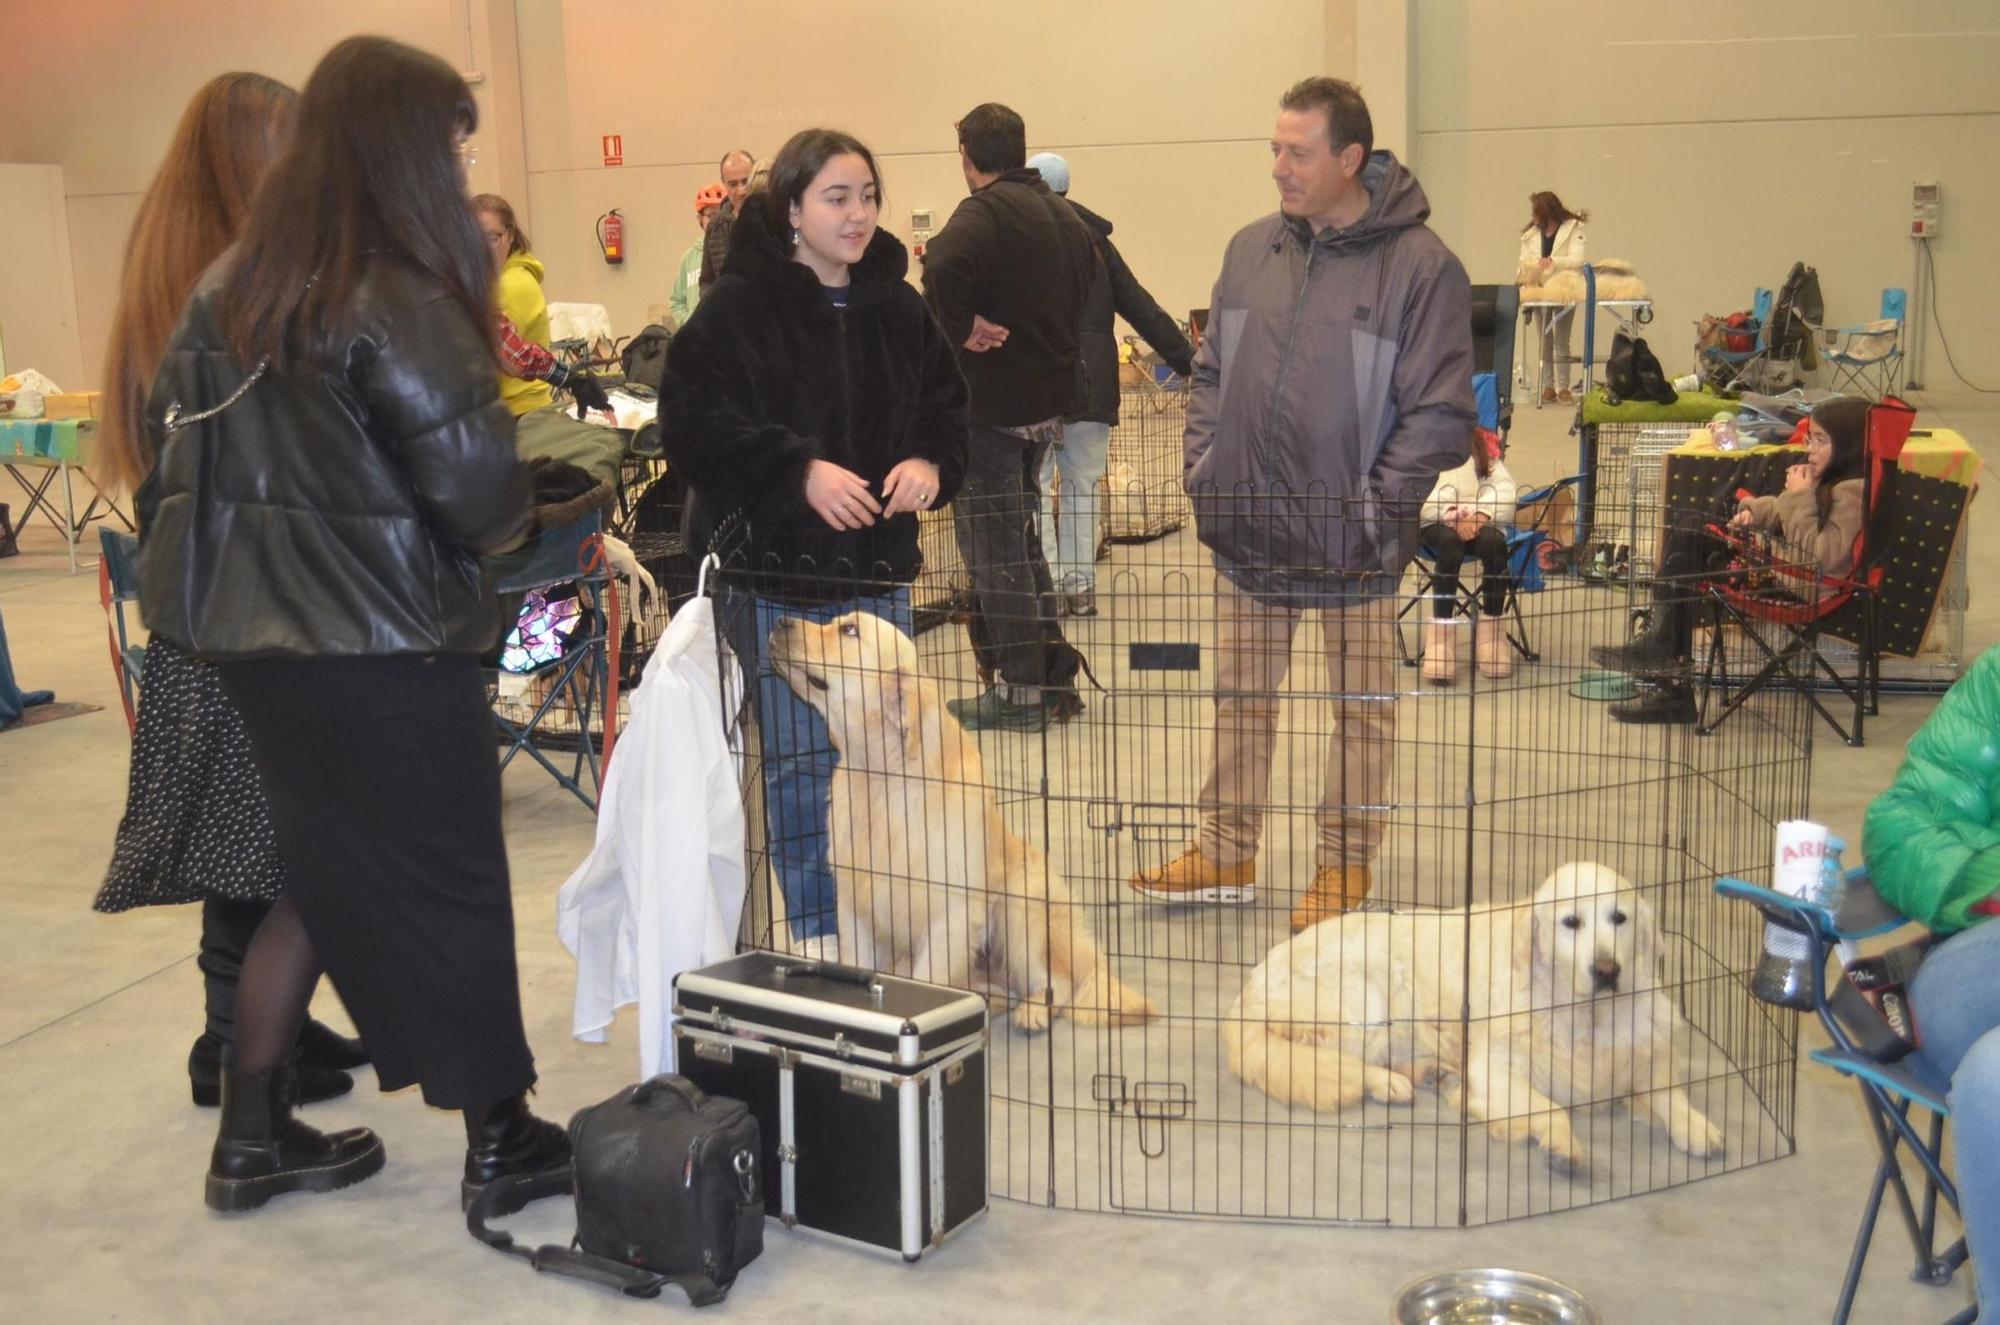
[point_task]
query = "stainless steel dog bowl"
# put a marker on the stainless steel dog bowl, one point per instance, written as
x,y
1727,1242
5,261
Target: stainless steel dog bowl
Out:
x,y
1491,1297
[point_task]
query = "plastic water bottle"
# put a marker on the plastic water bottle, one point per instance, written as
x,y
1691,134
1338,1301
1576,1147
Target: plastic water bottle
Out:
x,y
1784,973
1832,888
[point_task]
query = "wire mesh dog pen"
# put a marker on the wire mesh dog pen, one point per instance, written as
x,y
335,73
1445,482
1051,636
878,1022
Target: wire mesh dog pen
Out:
x,y
1527,999
1139,498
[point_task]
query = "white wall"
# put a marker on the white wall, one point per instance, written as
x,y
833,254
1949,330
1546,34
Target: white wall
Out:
x,y
1162,108
1716,143
1713,145
37,295
99,86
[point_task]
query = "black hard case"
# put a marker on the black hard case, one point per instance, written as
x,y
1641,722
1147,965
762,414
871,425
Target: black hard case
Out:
x,y
870,1091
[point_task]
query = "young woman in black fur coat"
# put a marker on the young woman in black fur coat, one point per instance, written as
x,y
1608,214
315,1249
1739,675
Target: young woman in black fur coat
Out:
x,y
813,396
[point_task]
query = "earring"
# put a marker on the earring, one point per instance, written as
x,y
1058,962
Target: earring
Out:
x,y
795,236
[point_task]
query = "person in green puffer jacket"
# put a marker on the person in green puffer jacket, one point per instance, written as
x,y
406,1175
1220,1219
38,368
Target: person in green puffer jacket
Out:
x,y
1933,846
1933,838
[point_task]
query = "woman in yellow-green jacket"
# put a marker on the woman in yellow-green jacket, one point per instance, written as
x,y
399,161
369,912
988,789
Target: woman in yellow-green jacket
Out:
x,y
531,373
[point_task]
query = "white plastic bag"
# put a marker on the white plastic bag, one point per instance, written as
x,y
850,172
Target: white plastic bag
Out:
x,y
21,394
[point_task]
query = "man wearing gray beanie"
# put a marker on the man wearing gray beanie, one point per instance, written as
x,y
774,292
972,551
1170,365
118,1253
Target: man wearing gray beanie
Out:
x,y
1070,535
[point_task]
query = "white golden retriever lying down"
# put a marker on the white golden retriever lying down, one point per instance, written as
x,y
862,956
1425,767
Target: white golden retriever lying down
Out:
x,y
1564,999
931,884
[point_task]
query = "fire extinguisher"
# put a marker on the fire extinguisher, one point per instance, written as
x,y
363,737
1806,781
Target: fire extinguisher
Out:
x,y
611,236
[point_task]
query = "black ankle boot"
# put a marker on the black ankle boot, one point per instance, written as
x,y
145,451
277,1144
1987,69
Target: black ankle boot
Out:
x,y
315,1083
326,1047
1656,650
262,1151
506,1139
1669,704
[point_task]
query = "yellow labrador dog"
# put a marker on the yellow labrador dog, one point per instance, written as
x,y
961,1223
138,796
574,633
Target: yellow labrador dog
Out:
x,y
931,883
1564,1006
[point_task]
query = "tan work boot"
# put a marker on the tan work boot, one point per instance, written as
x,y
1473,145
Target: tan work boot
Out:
x,y
1440,652
1193,877
1490,647
1336,890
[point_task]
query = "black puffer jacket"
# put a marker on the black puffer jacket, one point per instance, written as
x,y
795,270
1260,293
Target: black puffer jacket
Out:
x,y
338,508
1116,291
768,376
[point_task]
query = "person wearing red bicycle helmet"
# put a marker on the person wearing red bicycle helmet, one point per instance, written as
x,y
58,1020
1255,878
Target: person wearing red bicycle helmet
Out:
x,y
687,285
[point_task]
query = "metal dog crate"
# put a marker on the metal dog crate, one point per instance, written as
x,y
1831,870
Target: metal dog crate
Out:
x,y
1492,784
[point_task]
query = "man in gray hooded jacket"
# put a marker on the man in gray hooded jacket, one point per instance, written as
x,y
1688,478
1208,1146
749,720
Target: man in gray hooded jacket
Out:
x,y
1333,386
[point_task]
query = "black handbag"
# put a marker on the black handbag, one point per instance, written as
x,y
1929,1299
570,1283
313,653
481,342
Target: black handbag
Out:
x,y
1632,372
667,1192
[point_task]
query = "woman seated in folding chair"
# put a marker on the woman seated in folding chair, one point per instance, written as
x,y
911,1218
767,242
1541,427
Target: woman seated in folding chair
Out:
x,y
1933,849
1466,516
1818,515
530,372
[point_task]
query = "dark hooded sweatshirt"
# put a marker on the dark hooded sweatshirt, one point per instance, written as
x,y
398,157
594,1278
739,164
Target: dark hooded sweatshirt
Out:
x,y
1116,291
768,376
1332,387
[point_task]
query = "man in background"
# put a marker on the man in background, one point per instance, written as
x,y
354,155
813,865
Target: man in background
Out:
x,y
1007,277
1069,534
735,169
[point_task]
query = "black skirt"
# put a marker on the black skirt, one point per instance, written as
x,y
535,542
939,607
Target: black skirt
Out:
x,y
384,789
195,823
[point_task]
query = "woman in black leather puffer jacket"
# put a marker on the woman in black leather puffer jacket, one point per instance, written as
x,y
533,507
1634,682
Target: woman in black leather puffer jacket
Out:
x,y
333,460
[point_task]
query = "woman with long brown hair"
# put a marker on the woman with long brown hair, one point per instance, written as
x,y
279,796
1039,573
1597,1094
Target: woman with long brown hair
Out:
x,y
1553,241
334,460
195,825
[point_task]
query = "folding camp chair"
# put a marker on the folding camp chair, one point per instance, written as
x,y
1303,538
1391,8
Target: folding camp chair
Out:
x,y
1865,360
117,585
1869,1050
1722,366
1525,574
1496,310
1803,604
571,695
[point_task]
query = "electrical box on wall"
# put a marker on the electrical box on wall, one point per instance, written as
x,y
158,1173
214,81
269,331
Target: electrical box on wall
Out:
x,y
920,231
1925,198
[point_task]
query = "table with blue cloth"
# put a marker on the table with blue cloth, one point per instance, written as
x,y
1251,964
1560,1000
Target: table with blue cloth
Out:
x,y
57,450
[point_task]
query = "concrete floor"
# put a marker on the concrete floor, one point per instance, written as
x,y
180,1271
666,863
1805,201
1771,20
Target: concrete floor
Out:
x,y
101,1216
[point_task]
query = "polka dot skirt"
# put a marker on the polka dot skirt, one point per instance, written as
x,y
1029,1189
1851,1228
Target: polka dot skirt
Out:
x,y
195,822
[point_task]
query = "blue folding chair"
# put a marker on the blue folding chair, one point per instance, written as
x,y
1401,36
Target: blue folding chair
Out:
x,y
1866,360
1524,575
578,683
117,585
1869,1050
1726,366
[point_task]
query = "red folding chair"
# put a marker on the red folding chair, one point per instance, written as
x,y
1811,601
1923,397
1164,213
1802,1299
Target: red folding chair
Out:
x,y
1800,604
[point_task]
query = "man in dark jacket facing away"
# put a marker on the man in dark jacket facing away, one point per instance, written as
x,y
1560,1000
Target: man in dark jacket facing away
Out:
x,y
1007,278
1071,535
1334,384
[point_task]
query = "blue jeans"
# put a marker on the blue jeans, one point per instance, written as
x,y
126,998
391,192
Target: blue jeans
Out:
x,y
1071,541
798,755
1956,998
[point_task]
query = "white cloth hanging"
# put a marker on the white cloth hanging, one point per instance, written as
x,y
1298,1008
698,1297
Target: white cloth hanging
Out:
x,y
662,889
